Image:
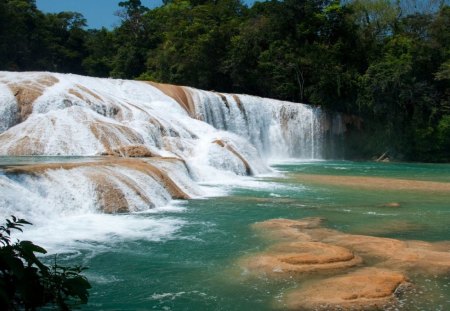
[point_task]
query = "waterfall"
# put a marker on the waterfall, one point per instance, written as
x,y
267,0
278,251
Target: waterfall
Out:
x,y
154,142
276,128
74,150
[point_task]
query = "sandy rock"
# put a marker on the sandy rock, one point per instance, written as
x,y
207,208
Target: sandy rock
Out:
x,y
378,183
415,256
409,256
370,246
288,229
365,289
389,227
112,135
295,258
137,151
27,91
230,148
110,197
180,94
421,258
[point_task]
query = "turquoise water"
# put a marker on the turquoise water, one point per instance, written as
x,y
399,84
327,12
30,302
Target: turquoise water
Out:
x,y
195,267
418,171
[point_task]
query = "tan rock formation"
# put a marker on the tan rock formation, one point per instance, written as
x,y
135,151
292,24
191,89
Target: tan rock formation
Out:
x,y
238,102
388,227
288,229
180,94
113,135
224,99
392,204
223,144
418,256
375,183
159,174
103,176
138,151
296,258
110,197
26,145
365,289
28,90
303,246
85,90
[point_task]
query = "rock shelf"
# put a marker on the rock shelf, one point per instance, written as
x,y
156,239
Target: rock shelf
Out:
x,y
367,272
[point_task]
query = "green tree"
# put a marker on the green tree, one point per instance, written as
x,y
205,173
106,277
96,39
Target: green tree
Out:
x,y
194,44
27,283
65,40
99,46
20,38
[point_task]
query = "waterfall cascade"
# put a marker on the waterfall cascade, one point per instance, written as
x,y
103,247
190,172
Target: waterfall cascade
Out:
x,y
150,142
276,128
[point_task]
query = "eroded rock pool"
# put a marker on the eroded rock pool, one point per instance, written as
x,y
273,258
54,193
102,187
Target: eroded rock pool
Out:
x,y
193,255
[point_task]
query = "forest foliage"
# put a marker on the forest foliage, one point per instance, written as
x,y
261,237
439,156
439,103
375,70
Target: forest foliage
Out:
x,y
387,62
26,283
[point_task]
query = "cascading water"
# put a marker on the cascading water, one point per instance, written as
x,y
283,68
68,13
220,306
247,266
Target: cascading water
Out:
x,y
210,138
276,128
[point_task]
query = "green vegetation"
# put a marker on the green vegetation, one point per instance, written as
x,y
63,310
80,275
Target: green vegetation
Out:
x,y
385,61
27,283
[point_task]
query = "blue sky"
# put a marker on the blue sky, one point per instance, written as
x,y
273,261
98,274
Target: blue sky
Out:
x,y
99,13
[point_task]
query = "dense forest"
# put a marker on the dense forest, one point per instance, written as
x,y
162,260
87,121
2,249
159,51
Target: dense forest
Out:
x,y
387,62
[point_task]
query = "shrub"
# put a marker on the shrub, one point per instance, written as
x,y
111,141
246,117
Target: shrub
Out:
x,y
27,283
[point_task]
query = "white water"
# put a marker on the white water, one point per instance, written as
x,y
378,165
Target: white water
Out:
x,y
63,207
83,116
277,129
8,108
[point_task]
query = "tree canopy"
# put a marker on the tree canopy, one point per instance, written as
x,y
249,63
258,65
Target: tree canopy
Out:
x,y
385,61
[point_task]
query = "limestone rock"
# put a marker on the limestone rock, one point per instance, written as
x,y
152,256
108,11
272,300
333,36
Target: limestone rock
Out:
x,y
365,289
300,258
134,151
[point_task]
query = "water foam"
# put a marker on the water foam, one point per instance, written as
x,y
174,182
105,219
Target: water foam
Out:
x,y
230,137
8,109
276,128
96,232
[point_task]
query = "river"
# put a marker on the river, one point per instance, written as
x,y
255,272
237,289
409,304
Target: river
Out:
x,y
185,256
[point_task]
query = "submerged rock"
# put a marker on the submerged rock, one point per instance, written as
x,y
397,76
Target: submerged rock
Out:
x,y
303,246
389,227
417,256
288,229
374,183
365,289
300,258
392,204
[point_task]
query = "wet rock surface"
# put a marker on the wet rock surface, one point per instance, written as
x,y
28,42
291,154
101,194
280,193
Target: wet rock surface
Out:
x,y
364,289
301,258
367,272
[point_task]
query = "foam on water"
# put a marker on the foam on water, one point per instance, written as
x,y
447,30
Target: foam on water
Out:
x,y
230,137
64,208
8,108
276,128
96,232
